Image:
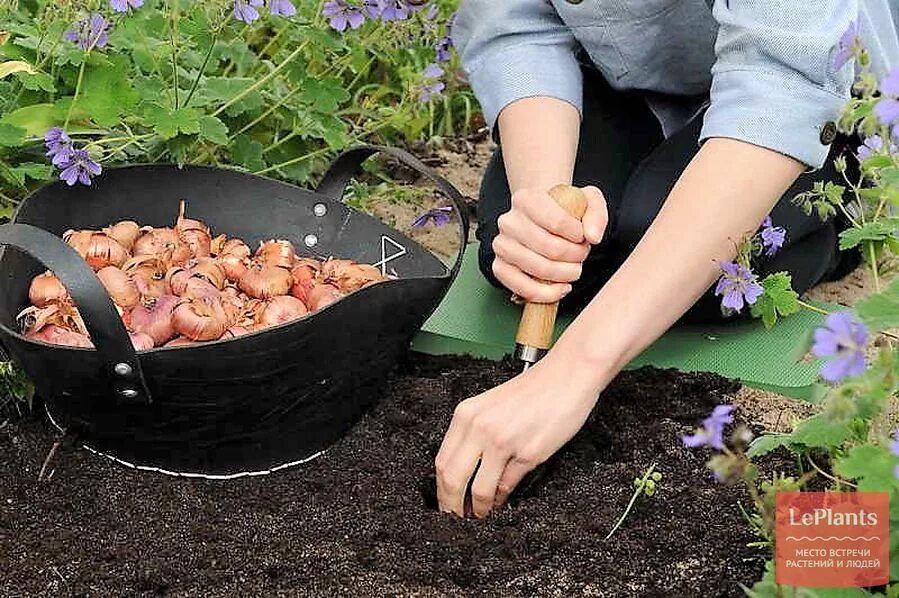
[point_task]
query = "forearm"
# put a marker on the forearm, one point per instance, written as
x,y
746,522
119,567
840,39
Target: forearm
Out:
x,y
539,138
724,193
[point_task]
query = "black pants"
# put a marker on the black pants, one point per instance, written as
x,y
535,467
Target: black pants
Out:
x,y
623,153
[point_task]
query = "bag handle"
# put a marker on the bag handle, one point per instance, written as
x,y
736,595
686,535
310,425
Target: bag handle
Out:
x,y
108,333
347,164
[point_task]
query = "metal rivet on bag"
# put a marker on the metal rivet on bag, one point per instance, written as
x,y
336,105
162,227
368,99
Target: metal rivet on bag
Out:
x,y
828,133
310,240
128,393
123,369
319,209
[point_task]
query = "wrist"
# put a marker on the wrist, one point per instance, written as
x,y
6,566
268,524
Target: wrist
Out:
x,y
587,360
578,371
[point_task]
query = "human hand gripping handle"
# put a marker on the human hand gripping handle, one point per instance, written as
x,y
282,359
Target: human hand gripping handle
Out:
x,y
538,320
497,437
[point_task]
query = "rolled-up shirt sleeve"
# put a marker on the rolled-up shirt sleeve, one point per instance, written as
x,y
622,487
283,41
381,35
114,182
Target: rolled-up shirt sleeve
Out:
x,y
514,49
773,83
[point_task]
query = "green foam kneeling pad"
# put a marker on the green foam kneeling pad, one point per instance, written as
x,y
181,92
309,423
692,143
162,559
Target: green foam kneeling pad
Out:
x,y
477,319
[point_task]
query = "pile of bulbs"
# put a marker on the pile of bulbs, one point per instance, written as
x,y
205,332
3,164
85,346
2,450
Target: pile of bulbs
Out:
x,y
178,286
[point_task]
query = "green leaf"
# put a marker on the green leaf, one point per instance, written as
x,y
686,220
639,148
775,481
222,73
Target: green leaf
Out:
x,y
35,119
889,177
107,91
214,130
30,170
779,299
247,152
168,123
37,82
768,443
216,91
872,466
878,161
821,431
11,135
879,230
881,311
325,94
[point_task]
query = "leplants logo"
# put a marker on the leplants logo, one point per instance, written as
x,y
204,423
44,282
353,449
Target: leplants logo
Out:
x,y
832,539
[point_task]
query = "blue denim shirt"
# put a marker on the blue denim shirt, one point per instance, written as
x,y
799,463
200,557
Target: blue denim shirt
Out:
x,y
766,65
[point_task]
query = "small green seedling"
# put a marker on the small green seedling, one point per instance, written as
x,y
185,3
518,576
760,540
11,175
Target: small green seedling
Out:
x,y
644,485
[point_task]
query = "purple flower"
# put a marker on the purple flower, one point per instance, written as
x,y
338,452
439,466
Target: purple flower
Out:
x,y
439,216
428,91
429,87
737,284
432,13
432,71
393,10
373,8
245,10
125,5
341,15
846,47
712,431
284,8
59,146
79,169
843,337
873,144
444,48
773,237
890,84
894,449
90,33
887,110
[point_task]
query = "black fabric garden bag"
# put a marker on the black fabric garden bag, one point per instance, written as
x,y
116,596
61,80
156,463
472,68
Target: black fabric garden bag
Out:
x,y
252,404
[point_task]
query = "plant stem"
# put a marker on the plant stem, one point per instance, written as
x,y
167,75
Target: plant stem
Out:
x,y
117,139
296,160
260,82
262,116
813,308
874,270
271,42
281,141
832,478
65,125
630,505
196,83
173,32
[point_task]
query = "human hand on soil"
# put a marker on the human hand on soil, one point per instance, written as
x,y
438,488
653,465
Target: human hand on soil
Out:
x,y
502,434
539,241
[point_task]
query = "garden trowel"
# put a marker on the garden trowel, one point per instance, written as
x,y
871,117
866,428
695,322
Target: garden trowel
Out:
x,y
538,320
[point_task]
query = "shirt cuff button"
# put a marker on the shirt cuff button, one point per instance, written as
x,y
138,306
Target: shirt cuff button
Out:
x,y
828,133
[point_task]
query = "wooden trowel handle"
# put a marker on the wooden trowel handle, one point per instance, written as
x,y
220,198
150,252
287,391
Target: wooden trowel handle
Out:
x,y
538,320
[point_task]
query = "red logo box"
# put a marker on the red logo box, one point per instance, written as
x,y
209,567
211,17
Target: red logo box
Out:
x,y
832,539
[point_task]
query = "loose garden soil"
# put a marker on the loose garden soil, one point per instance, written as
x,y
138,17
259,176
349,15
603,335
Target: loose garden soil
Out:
x,y
355,521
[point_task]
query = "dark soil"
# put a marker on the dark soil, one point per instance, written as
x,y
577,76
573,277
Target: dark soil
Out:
x,y
354,523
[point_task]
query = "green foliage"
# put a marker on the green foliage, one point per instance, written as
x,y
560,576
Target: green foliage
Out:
x,y
186,82
852,435
767,443
779,299
15,388
877,231
881,310
823,200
